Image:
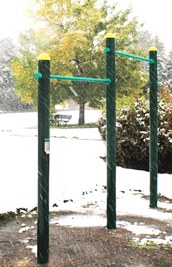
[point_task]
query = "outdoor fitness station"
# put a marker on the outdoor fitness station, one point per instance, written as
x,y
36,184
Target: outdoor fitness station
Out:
x,y
44,77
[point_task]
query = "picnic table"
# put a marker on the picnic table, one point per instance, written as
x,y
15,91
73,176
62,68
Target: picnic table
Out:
x,y
58,119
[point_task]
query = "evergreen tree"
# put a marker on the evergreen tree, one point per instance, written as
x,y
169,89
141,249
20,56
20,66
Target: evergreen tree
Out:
x,y
8,99
146,40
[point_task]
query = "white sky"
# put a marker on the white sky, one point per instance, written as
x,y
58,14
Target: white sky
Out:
x,y
12,17
156,15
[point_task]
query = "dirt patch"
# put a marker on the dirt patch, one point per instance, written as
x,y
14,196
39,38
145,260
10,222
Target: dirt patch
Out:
x,y
161,198
86,246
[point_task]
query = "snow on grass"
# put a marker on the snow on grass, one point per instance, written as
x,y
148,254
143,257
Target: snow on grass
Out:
x,y
142,229
75,168
79,220
77,176
33,249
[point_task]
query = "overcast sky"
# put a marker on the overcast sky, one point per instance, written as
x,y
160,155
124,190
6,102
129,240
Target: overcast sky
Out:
x,y
156,15
12,17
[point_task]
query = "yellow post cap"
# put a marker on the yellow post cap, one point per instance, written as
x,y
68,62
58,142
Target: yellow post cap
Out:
x,y
110,35
153,48
44,56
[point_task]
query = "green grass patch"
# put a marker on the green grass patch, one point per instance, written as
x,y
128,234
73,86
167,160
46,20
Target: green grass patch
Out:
x,y
147,245
75,126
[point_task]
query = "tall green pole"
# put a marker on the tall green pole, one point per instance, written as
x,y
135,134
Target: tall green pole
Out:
x,y
153,149
43,159
111,131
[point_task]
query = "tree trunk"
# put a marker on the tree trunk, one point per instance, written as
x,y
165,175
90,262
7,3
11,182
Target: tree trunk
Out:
x,y
81,114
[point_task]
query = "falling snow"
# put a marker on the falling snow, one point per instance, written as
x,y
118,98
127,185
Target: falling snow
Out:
x,y
77,182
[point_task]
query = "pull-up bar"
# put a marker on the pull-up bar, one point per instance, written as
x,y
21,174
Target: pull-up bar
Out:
x,y
44,77
150,60
38,75
80,79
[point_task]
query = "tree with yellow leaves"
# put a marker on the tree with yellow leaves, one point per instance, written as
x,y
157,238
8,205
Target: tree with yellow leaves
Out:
x,y
75,43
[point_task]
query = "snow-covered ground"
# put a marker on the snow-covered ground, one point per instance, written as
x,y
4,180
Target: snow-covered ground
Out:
x,y
77,174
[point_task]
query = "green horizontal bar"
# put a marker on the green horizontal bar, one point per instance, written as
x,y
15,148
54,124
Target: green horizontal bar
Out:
x,y
79,79
134,56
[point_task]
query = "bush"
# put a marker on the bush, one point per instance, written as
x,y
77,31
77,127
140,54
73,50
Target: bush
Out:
x,y
6,217
133,136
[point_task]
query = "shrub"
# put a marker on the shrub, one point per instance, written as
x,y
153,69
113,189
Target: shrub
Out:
x,y
133,136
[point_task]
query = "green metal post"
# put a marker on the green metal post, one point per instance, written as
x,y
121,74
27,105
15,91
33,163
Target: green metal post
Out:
x,y
153,149
111,131
43,159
